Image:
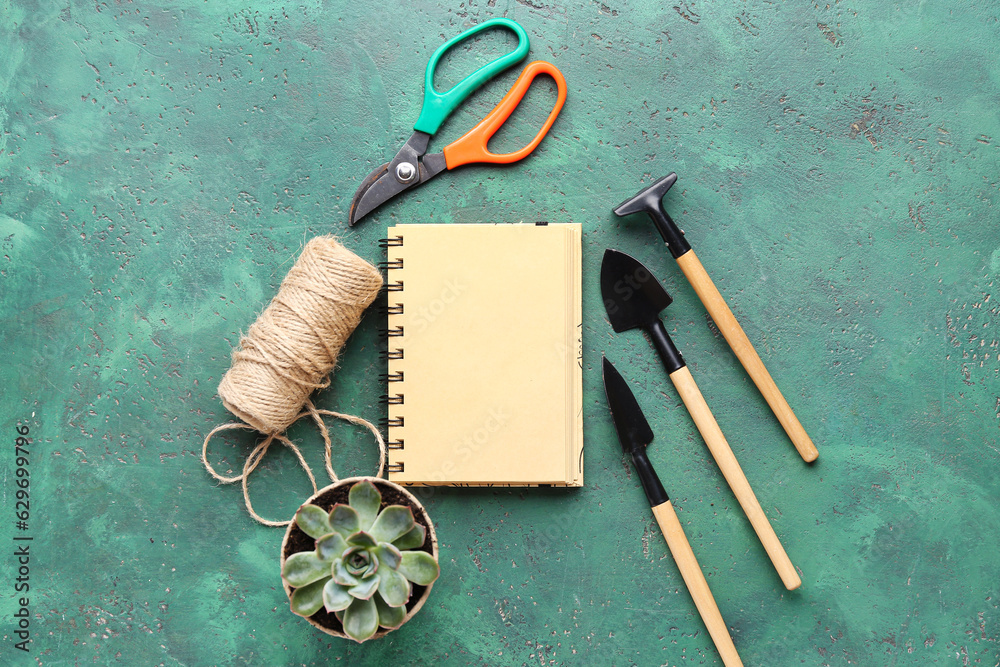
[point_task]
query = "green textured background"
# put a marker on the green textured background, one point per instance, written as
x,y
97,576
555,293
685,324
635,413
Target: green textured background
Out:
x,y
161,167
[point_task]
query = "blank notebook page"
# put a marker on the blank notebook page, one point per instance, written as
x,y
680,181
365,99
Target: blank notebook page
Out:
x,y
491,378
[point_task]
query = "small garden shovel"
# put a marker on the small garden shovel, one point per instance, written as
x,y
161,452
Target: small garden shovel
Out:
x,y
633,298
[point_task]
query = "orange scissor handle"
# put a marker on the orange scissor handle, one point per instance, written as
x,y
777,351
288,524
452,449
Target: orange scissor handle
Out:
x,y
472,146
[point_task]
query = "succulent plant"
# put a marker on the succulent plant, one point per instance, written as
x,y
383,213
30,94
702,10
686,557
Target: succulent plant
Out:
x,y
363,564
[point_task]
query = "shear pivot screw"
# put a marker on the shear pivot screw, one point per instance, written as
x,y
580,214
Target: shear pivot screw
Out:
x,y
405,172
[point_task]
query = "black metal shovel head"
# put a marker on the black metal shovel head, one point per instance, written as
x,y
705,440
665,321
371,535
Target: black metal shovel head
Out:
x,y
633,429
632,295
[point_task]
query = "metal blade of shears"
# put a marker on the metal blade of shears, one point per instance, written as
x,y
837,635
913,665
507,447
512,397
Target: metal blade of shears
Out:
x,y
369,180
408,169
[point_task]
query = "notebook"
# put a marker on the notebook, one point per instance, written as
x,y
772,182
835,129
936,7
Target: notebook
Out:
x,y
485,375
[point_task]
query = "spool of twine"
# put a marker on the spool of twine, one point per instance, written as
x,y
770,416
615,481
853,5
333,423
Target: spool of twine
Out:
x,y
290,351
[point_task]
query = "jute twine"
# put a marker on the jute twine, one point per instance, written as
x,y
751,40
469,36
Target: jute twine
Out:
x,y
290,351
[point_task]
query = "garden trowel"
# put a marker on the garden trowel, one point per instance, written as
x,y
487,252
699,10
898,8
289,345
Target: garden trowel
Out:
x,y
634,434
633,298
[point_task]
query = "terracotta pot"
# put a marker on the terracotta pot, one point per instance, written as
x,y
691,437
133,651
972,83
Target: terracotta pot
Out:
x,y
392,494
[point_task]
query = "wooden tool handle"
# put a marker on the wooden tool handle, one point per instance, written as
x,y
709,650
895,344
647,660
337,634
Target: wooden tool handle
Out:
x,y
731,470
740,344
680,548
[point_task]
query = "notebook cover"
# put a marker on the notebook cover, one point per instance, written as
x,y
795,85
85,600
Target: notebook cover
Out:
x,y
489,385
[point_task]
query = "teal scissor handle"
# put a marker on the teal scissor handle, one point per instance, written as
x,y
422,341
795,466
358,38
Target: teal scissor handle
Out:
x,y
437,106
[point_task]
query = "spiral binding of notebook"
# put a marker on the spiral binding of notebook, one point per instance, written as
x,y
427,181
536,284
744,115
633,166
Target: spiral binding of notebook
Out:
x,y
391,353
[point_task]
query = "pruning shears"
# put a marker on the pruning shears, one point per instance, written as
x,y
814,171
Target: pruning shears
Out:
x,y
412,167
